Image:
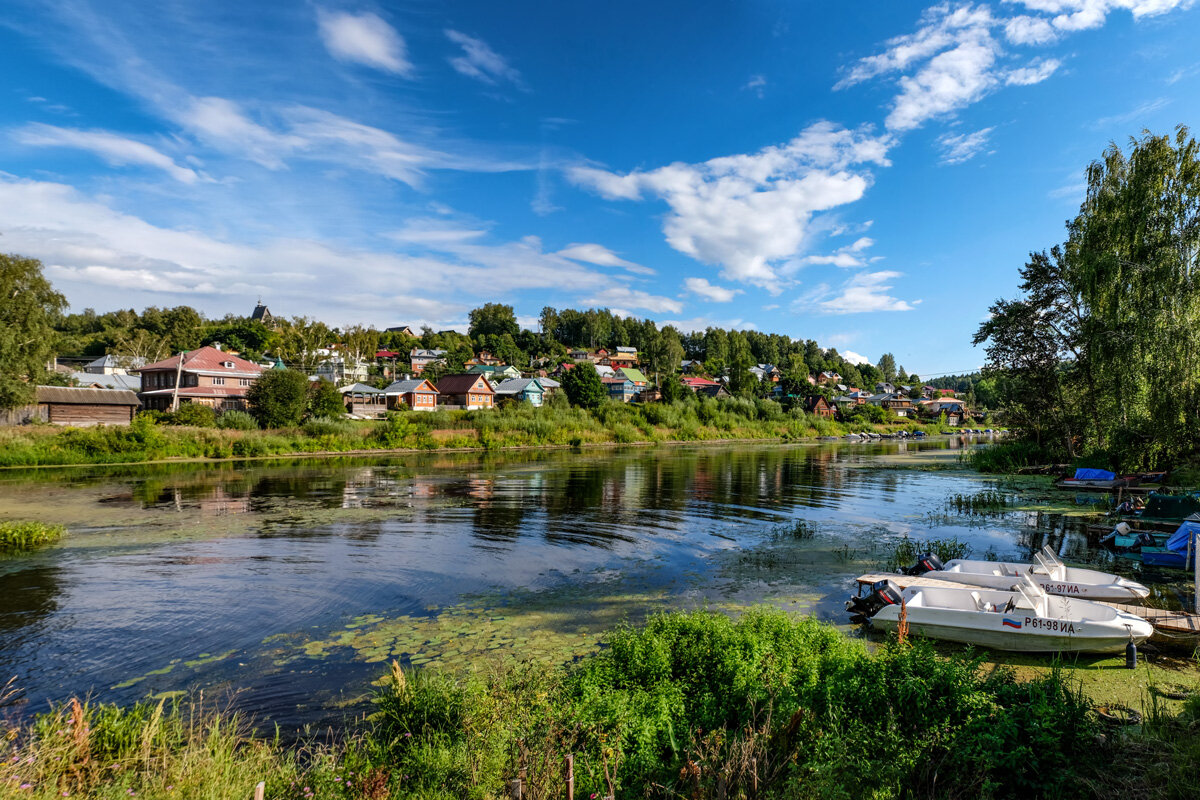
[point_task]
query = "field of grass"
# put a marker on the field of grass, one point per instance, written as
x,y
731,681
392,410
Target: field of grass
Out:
x,y
688,706
513,426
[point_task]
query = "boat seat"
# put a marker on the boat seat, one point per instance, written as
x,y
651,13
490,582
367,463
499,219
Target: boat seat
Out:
x,y
981,604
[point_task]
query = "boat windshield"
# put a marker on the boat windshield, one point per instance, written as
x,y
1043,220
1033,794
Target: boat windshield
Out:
x,y
1049,563
1033,595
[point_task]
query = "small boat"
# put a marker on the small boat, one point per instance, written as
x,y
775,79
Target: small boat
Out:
x,y
1050,575
1153,551
1025,620
1126,541
1093,480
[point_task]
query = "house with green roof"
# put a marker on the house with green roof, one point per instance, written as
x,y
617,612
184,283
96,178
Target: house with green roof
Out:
x,y
495,372
635,375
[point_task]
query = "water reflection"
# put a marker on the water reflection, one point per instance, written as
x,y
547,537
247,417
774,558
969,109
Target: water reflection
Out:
x,y
190,575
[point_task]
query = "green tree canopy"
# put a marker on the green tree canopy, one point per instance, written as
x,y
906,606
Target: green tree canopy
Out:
x,y
493,319
28,308
277,399
583,386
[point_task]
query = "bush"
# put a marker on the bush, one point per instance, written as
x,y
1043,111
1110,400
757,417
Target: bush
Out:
x,y
237,421
194,415
324,400
277,399
324,426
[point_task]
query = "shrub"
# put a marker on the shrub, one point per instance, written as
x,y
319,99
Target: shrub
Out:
x,y
277,399
237,421
324,400
324,426
195,415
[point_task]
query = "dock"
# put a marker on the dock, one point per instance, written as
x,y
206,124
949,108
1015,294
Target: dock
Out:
x,y
1168,624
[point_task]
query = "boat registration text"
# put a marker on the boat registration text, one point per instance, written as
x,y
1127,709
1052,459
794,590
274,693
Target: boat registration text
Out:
x,y
1053,625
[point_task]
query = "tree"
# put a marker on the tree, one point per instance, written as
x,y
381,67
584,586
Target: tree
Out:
x,y
324,400
28,308
277,399
887,365
583,386
493,319
299,340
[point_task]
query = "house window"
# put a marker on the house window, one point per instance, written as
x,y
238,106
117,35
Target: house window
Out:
x,y
227,364
218,381
243,381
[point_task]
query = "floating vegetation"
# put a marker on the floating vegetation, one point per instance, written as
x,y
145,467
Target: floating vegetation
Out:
x,y
797,529
905,551
18,536
988,501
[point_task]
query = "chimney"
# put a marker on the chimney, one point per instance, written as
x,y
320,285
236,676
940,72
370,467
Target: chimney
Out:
x,y
216,345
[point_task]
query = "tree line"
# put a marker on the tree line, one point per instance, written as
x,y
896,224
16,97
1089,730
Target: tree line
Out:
x,y
1097,358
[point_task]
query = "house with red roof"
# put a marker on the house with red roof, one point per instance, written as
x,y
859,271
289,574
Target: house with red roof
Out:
x,y
208,376
468,391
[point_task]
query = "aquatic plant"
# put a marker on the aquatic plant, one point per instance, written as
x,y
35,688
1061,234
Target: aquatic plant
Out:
x,y
17,536
988,501
905,551
796,529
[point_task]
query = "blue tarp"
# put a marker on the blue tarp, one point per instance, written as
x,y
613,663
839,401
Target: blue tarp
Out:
x,y
1179,539
1086,474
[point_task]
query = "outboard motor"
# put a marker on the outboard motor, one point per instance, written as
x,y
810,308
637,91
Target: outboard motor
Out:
x,y
883,593
926,563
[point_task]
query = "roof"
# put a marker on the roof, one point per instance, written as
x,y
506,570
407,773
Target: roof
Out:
x,y
260,311
65,395
112,361
206,359
518,385
632,350
386,354
633,374
549,383
461,384
615,380
399,329
411,385
693,381
419,353
360,388
115,381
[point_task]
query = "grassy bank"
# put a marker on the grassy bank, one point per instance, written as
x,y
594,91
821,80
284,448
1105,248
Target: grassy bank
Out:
x,y
514,426
694,705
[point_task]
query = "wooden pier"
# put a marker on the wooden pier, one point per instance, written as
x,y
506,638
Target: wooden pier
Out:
x,y
1169,624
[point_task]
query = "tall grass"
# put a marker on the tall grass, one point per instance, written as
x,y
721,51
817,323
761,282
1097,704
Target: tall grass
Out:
x,y
690,705
16,536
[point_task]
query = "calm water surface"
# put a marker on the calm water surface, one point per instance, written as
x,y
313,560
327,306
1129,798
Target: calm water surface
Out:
x,y
284,584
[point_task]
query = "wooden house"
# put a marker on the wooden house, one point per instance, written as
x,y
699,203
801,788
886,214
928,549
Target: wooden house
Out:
x,y
620,388
820,406
520,390
420,359
61,405
417,394
467,390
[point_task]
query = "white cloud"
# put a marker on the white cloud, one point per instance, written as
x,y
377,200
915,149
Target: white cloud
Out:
x,y
756,84
434,232
1078,15
863,292
363,39
717,294
1137,115
95,252
853,357
1029,30
481,62
624,297
114,149
1037,71
746,213
954,78
849,256
222,124
601,256
961,147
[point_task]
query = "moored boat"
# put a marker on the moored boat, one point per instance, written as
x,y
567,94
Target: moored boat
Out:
x,y
1047,571
1025,620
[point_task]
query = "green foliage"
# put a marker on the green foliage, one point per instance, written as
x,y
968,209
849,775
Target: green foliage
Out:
x,y
277,399
327,426
26,333
906,551
324,400
195,415
493,319
1098,352
235,420
583,386
1010,456
16,536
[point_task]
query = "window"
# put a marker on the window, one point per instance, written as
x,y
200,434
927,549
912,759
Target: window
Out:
x,y
227,364
243,381
218,381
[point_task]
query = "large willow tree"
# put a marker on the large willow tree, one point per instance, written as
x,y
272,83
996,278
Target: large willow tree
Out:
x,y
1101,353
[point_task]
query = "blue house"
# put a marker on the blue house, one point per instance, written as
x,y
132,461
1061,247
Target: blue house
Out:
x,y
520,390
620,388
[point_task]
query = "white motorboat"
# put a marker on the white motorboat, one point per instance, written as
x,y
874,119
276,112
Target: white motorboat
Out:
x,y
1024,620
1050,574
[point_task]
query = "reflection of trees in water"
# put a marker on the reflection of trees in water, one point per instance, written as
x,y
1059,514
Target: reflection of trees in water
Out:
x,y
27,596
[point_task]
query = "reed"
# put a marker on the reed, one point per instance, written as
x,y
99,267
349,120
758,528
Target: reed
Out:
x,y
18,536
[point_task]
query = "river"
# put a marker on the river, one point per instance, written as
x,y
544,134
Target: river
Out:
x,y
284,587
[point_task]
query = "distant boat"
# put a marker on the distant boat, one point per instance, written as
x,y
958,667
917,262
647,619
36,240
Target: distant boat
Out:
x,y
1026,620
1048,572
1170,552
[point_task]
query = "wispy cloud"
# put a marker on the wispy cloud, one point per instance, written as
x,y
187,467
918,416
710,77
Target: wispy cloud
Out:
x,y
601,256
1137,115
624,297
748,212
717,294
364,39
863,292
756,84
115,149
961,147
852,255
481,62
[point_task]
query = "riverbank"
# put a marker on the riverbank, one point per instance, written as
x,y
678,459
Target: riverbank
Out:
x,y
697,705
512,427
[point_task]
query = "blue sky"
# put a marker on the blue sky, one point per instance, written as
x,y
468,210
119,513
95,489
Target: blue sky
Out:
x,y
870,175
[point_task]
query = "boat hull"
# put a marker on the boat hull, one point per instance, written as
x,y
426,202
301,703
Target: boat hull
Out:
x,y
1081,583
1013,641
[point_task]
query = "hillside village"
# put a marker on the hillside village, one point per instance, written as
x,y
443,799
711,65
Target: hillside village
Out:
x,y
400,369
